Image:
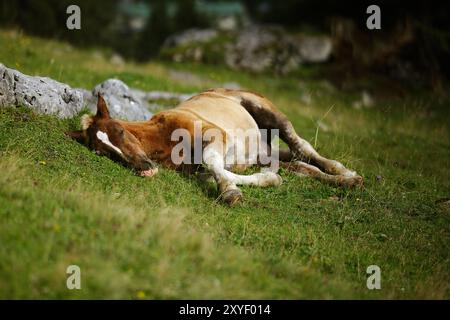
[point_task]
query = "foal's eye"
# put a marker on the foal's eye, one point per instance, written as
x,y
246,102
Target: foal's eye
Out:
x,y
119,131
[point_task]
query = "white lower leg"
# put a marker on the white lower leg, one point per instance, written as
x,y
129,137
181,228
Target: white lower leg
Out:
x,y
330,166
215,163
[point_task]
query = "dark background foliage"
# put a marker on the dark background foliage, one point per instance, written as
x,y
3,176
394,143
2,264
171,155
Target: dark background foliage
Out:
x,y
102,26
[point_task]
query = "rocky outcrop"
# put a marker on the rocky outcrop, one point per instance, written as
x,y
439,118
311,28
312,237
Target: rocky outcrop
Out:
x,y
191,36
254,48
44,95
313,49
260,49
47,96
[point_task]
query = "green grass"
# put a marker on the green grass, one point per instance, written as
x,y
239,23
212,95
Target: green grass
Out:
x,y
168,237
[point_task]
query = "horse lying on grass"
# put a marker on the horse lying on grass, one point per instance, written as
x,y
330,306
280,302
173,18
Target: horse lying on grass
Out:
x,y
212,122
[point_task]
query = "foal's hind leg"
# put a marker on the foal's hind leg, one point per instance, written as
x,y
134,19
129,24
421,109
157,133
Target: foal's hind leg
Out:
x,y
302,150
305,169
268,117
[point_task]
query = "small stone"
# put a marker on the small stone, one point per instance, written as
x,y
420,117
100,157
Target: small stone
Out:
x,y
117,60
367,99
444,204
306,98
357,105
315,49
447,205
322,126
190,36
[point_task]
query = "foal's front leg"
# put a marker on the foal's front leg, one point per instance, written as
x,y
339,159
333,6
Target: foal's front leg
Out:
x,y
227,181
214,161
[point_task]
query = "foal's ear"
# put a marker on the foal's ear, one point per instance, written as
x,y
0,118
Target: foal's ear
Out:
x,y
78,135
102,108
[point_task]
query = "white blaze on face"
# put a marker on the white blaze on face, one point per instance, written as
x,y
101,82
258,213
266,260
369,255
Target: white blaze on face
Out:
x,y
103,137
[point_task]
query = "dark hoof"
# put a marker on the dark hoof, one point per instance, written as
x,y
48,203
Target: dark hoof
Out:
x,y
232,197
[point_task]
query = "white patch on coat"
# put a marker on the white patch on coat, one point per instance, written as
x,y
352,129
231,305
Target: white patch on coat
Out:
x,y
86,121
103,137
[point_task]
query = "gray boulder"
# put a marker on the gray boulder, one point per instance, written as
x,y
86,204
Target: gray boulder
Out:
x,y
256,48
262,48
314,49
44,95
47,96
129,103
123,102
132,104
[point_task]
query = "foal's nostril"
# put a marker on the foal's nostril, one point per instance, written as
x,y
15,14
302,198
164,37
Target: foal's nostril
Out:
x,y
142,162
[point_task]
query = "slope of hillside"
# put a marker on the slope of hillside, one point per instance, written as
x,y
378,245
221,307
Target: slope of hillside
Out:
x,y
168,237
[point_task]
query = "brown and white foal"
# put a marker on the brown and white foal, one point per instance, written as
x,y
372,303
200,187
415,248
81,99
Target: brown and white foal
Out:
x,y
212,122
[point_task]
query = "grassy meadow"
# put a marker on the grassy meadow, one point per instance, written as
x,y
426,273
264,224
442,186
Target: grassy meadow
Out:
x,y
169,237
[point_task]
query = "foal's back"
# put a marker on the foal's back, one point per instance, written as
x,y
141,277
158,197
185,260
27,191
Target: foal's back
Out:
x,y
224,112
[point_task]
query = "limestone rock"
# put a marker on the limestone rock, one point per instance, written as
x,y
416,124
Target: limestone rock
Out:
x,y
44,95
255,48
47,96
123,102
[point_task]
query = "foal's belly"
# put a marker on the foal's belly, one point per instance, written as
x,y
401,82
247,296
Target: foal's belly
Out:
x,y
243,136
224,113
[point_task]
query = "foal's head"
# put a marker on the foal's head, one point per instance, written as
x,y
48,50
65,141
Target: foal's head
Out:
x,y
108,137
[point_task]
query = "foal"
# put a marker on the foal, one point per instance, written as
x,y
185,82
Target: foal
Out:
x,y
211,125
